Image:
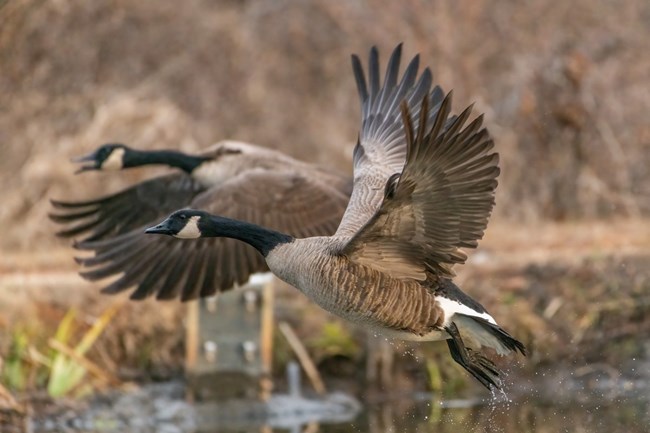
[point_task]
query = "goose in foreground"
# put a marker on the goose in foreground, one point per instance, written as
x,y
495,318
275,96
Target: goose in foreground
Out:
x,y
388,267
232,178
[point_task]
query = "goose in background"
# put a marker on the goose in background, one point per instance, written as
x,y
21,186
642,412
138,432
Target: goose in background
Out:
x,y
231,178
424,186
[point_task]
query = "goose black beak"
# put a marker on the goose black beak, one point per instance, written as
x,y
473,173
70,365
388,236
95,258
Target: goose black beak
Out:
x,y
91,157
161,229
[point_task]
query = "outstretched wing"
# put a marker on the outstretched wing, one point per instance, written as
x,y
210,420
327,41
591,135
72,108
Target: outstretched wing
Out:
x,y
289,201
126,210
381,149
440,202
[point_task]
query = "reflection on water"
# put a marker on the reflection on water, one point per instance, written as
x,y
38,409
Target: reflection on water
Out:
x,y
619,416
406,416
591,402
624,408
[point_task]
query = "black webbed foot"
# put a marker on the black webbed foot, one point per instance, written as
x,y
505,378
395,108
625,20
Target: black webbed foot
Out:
x,y
478,365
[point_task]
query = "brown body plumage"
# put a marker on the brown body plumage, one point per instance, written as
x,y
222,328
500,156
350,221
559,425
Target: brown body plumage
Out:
x,y
353,291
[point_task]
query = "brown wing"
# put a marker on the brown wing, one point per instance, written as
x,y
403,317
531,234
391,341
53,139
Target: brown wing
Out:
x,y
440,203
126,210
381,149
292,202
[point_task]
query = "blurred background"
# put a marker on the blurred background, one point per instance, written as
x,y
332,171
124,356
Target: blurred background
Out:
x,y
564,88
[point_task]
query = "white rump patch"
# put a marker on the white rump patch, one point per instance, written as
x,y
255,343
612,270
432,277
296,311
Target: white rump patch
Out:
x,y
211,173
115,160
451,307
474,335
260,279
191,229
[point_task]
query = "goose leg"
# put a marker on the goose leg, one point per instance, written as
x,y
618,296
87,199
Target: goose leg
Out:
x,y
478,365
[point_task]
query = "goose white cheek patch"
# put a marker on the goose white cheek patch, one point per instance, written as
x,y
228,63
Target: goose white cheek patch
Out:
x,y
191,229
114,160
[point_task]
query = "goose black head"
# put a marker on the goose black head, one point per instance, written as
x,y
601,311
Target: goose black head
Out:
x,y
107,157
183,224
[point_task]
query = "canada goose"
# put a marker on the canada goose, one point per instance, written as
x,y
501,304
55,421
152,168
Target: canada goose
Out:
x,y
297,198
232,178
423,188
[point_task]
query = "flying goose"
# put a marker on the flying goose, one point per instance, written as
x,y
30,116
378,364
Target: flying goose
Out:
x,y
423,188
232,178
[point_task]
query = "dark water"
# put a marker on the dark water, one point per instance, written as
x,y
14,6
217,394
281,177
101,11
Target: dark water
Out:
x,y
601,406
596,414
594,403
617,416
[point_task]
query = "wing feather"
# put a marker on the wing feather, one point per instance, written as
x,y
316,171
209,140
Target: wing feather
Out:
x,y
381,150
290,201
439,203
126,210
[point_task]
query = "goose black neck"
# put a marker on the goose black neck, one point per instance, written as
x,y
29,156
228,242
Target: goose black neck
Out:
x,y
262,239
187,163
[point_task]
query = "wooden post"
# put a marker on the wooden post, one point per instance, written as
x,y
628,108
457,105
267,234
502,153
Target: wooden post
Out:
x,y
229,343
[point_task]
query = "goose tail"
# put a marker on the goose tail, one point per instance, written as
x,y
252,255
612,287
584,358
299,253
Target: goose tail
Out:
x,y
468,334
487,334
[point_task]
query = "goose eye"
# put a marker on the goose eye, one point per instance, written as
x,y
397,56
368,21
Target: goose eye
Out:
x,y
183,216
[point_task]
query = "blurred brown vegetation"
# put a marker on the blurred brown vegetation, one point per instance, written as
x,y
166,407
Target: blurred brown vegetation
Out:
x,y
564,87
